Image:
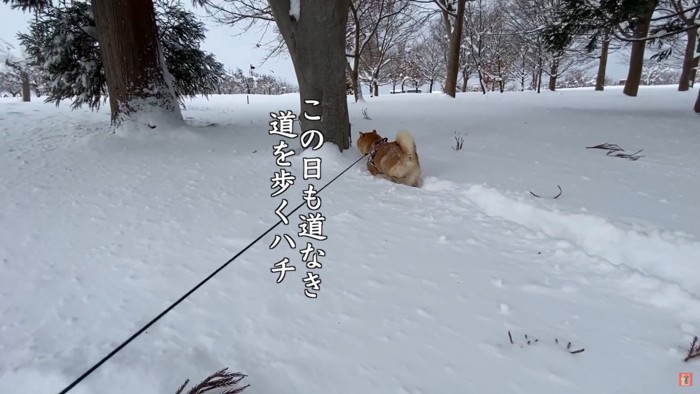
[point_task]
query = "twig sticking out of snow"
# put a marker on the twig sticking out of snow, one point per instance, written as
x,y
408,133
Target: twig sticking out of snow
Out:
x,y
217,380
531,341
528,339
554,198
615,150
568,347
365,115
694,350
459,143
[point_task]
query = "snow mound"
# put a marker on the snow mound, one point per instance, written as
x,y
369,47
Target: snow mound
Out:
x,y
651,253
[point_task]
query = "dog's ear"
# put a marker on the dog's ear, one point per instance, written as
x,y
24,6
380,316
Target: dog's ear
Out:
x,y
361,133
374,131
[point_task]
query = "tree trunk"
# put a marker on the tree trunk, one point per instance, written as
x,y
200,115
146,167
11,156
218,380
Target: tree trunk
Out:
x,y
376,88
481,80
356,87
431,85
26,88
501,81
450,87
354,81
465,80
634,73
354,70
540,70
316,44
603,63
553,71
696,108
137,79
522,75
688,60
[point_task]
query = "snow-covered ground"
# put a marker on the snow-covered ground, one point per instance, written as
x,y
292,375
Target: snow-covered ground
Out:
x,y
420,287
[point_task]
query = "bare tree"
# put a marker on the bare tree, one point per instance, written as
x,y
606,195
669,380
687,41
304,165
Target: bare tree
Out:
x,y
453,12
366,18
520,71
576,77
18,75
382,50
431,56
528,18
478,24
500,54
10,83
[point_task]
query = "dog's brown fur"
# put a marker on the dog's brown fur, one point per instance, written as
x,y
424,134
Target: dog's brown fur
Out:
x,y
397,160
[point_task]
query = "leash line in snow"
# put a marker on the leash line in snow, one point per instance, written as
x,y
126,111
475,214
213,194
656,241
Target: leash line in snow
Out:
x,y
189,293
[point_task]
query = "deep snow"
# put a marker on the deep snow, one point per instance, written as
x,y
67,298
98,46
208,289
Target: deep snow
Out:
x,y
100,232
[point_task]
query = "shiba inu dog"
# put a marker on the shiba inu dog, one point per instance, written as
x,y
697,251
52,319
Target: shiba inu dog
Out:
x,y
397,160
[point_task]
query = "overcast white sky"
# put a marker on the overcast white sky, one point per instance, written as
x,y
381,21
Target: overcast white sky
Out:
x,y
232,47
231,50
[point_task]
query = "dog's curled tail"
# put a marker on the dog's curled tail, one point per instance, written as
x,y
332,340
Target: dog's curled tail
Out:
x,y
406,142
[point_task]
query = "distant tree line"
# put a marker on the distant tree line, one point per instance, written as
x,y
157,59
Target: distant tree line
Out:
x,y
238,82
521,44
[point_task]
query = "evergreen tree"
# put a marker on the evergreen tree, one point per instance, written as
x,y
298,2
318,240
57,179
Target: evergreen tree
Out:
x,y
62,41
589,19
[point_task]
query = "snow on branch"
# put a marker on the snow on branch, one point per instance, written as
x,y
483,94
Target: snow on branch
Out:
x,y
295,9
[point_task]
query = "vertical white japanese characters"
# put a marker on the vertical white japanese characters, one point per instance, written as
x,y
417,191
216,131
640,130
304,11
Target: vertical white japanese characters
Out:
x,y
282,125
311,225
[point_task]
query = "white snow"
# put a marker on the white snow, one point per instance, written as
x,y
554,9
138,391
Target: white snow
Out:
x,y
100,232
295,9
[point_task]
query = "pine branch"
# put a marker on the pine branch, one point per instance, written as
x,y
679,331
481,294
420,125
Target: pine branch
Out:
x,y
615,150
694,350
217,380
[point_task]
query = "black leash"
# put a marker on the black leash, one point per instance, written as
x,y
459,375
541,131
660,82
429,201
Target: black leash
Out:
x,y
189,293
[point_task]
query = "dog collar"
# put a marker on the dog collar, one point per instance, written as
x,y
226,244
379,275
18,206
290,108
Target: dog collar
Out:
x,y
375,147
